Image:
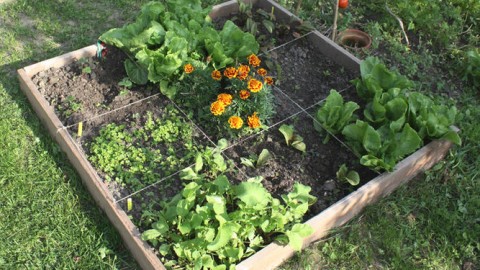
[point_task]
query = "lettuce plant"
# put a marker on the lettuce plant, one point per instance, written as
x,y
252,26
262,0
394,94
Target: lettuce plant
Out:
x,y
212,224
167,35
334,114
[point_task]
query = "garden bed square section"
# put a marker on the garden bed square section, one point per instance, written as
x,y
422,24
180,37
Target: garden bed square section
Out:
x,y
272,255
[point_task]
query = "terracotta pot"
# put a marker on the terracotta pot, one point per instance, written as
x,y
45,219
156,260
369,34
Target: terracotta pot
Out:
x,y
354,39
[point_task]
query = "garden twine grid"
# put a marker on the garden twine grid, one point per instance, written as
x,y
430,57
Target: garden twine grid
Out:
x,y
279,90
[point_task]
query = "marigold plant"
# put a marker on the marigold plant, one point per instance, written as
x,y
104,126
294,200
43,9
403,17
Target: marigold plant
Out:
x,y
217,108
262,72
216,75
255,85
253,60
188,68
230,72
244,94
269,80
243,71
225,98
235,122
253,121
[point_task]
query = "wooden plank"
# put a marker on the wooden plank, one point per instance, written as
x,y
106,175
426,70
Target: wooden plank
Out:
x,y
61,60
129,233
341,212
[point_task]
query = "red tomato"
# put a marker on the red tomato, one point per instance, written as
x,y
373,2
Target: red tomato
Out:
x,y
343,4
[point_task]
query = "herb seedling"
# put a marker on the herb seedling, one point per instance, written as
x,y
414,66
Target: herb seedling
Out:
x,y
292,139
126,85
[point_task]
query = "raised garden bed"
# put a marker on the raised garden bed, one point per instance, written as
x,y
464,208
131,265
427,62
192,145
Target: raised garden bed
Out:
x,y
310,66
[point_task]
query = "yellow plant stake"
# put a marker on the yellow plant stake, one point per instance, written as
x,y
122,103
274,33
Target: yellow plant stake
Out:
x,y
129,204
80,129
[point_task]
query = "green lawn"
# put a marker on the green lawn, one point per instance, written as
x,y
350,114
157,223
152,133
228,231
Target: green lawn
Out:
x,y
49,221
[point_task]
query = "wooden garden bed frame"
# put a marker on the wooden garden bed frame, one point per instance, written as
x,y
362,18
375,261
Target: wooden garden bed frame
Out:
x,y
273,254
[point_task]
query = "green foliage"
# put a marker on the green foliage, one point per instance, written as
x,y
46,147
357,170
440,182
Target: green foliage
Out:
x,y
292,139
138,156
166,36
398,120
255,161
212,224
334,114
346,175
69,106
471,67
382,148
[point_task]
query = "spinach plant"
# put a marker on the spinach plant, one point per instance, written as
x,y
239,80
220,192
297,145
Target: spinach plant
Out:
x,y
212,224
334,114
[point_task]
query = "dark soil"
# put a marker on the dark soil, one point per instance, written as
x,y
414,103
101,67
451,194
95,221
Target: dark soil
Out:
x,y
303,74
316,167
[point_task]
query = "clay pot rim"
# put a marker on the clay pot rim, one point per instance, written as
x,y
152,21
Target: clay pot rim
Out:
x,y
354,33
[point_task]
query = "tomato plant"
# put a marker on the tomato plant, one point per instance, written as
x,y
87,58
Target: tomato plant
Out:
x,y
343,4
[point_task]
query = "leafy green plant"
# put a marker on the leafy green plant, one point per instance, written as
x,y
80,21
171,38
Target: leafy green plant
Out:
x,y
346,175
138,156
334,114
212,224
471,67
381,148
292,139
70,105
255,161
167,36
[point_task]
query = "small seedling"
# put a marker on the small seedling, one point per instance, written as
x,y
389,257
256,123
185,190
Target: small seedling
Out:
x,y
126,84
292,139
255,161
346,175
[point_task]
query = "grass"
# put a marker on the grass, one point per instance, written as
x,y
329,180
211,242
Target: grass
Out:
x,y
48,219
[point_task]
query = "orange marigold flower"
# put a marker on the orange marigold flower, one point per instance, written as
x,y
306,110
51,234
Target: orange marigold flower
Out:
x,y
244,94
262,72
255,85
230,72
216,75
253,60
254,121
243,71
225,98
235,122
217,108
188,68
269,80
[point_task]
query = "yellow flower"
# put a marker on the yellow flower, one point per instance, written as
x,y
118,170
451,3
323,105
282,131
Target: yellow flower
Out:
x,y
255,85
253,60
216,75
225,98
217,108
235,122
230,72
188,68
262,72
254,121
244,94
243,71
269,80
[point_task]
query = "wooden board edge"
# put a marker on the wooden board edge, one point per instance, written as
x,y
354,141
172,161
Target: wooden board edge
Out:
x,y
61,60
131,236
273,255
